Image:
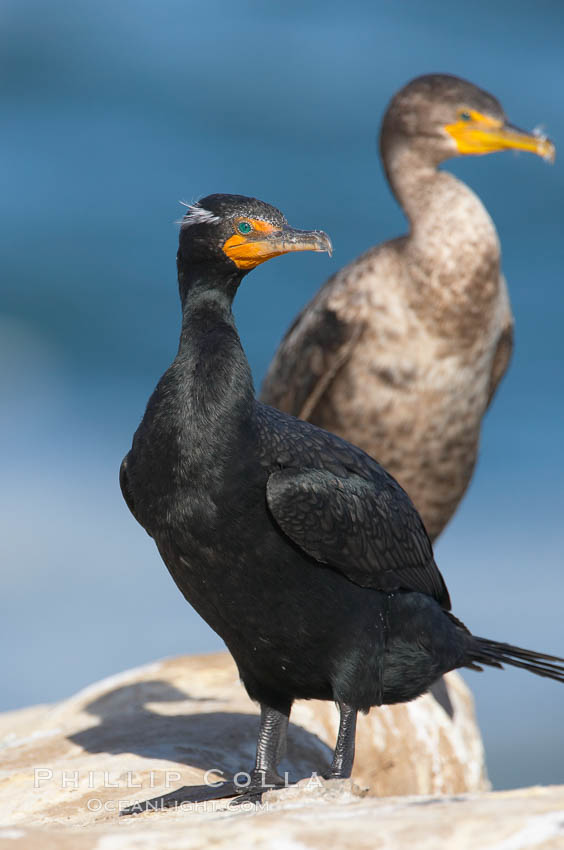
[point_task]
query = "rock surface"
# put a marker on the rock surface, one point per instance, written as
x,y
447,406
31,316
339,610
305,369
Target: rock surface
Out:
x,y
152,733
329,815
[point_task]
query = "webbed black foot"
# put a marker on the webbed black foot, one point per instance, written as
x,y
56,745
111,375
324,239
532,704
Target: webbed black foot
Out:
x,y
261,781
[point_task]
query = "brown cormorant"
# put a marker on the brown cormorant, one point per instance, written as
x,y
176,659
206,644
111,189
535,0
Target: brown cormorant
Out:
x,y
401,352
296,547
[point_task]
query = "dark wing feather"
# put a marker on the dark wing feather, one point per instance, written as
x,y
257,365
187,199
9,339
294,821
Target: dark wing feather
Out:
x,y
501,359
313,350
125,489
371,533
504,346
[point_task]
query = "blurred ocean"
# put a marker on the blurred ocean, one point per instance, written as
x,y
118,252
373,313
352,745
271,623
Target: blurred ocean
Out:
x,y
114,111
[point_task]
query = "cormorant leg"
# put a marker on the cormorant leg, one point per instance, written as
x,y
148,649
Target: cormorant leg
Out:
x,y
343,757
271,748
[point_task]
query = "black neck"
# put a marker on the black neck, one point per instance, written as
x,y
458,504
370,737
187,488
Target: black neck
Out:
x,y
205,309
197,280
206,295
212,361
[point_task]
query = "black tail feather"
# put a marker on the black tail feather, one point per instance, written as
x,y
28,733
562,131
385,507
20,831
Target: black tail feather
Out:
x,y
494,654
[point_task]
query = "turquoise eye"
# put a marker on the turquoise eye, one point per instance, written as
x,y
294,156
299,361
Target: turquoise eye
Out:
x,y
465,116
244,227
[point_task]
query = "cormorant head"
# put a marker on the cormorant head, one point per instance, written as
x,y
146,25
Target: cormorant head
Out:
x,y
232,234
443,116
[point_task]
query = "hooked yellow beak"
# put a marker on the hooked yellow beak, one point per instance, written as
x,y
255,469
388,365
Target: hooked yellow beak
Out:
x,y
475,133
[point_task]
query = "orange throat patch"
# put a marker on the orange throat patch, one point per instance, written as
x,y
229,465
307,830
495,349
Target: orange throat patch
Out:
x,y
247,252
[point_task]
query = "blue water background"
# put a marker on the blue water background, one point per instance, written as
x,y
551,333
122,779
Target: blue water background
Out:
x,y
111,113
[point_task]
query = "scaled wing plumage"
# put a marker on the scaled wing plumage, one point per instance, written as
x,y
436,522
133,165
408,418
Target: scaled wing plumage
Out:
x,y
344,510
316,346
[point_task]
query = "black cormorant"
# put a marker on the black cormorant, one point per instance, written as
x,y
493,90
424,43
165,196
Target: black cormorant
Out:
x,y
402,351
296,547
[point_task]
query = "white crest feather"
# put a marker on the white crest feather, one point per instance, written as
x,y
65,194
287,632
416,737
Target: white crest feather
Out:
x,y
195,214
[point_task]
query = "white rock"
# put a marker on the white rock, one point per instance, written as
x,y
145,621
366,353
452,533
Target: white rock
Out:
x,y
154,732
